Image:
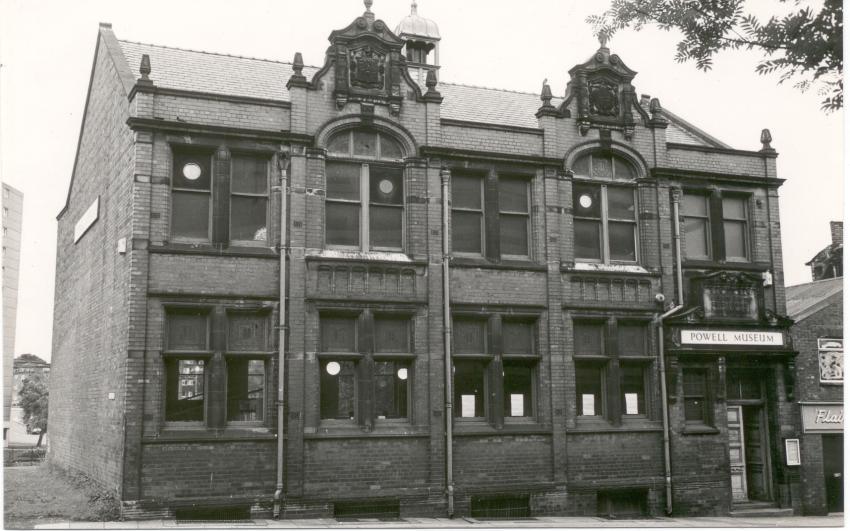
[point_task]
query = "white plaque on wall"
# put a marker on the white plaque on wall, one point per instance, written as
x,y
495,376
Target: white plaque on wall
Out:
x,y
517,405
467,405
587,405
87,219
792,452
631,404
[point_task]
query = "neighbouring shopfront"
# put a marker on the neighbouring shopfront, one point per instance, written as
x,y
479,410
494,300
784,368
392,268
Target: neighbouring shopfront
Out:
x,y
823,426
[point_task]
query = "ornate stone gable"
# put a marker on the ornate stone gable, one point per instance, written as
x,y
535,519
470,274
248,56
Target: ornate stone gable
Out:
x,y
367,62
734,297
604,94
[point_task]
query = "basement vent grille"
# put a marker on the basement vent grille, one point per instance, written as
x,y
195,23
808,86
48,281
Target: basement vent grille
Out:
x,y
622,503
372,509
510,507
239,515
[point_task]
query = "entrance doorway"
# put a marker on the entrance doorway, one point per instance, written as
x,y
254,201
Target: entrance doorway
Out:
x,y
749,450
749,460
833,472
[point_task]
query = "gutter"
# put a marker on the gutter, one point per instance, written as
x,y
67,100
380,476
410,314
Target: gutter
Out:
x,y
445,174
659,323
282,160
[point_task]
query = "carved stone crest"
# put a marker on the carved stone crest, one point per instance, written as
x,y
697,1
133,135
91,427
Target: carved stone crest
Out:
x,y
603,98
730,295
367,68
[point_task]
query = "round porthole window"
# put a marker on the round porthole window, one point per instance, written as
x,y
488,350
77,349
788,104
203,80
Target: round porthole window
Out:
x,y
585,201
385,186
402,374
332,368
191,171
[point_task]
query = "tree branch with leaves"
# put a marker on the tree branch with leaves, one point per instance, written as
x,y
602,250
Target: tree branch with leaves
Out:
x,y
804,46
33,399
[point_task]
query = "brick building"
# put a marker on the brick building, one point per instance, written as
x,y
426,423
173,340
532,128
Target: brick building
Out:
x,y
13,206
818,332
473,291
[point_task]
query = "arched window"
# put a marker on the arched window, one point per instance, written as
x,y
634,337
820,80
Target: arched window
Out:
x,y
604,208
364,209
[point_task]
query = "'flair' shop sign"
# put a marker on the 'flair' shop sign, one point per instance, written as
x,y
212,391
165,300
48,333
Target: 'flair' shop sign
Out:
x,y
822,418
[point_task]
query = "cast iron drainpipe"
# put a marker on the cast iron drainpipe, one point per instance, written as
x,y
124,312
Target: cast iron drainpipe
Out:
x,y
659,322
447,343
284,190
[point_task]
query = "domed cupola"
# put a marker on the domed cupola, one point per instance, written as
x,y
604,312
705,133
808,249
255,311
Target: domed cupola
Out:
x,y
421,36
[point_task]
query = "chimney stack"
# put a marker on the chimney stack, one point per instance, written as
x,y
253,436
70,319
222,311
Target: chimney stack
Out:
x,y
836,228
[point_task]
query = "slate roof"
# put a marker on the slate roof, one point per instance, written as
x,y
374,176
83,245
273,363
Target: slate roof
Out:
x,y
234,75
805,299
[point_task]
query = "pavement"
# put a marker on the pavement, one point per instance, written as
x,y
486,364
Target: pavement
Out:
x,y
542,522
17,434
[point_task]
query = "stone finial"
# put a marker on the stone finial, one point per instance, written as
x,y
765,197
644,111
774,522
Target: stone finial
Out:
x,y
547,109
368,4
431,80
766,139
413,8
432,94
145,67
297,79
546,94
298,64
603,38
655,107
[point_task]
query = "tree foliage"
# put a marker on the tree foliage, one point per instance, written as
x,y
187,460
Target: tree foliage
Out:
x,y
33,399
804,45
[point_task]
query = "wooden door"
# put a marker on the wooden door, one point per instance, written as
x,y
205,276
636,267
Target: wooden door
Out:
x,y
755,449
737,453
833,470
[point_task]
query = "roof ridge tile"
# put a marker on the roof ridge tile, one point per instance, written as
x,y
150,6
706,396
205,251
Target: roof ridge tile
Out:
x,y
220,54
488,88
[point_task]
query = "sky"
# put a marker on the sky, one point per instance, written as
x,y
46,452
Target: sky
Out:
x,y
47,47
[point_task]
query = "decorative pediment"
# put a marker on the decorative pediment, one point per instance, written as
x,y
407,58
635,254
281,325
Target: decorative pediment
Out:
x,y
367,62
604,94
729,296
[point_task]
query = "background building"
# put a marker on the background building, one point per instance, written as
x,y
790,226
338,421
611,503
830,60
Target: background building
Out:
x,y
817,308
13,211
24,367
465,285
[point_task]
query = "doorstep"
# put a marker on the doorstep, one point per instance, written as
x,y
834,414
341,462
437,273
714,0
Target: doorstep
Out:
x,y
759,509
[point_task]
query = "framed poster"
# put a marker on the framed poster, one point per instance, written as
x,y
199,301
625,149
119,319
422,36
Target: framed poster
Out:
x,y
792,452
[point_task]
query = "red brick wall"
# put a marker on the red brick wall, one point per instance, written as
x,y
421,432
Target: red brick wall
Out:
x,y
825,323
91,313
560,461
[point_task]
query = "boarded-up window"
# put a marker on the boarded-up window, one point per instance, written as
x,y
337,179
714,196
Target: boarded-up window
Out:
x,y
247,332
392,334
339,334
187,330
470,336
517,337
469,387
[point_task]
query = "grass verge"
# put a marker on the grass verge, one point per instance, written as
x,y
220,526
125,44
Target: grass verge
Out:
x,y
42,494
